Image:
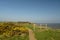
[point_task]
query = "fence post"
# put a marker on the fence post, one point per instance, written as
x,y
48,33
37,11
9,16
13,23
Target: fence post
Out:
x,y
34,27
46,26
40,26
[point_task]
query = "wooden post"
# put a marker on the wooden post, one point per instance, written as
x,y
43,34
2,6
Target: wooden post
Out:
x,y
40,26
34,27
46,26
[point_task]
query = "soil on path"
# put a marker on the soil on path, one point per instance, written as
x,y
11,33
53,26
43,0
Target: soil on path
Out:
x,y
31,35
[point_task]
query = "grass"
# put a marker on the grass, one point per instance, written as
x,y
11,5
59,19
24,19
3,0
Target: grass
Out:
x,y
15,38
47,34
40,34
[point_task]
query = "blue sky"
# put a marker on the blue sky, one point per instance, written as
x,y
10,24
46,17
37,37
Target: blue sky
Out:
x,y
37,11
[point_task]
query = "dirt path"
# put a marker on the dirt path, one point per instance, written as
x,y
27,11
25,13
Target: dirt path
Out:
x,y
52,38
31,35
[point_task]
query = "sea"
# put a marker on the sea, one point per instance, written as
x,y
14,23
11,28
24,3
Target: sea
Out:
x,y
51,25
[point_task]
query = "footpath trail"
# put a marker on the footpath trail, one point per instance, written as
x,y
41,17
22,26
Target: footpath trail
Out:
x,y
31,35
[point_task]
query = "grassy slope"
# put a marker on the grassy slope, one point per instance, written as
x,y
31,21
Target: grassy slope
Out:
x,y
14,38
43,35
47,34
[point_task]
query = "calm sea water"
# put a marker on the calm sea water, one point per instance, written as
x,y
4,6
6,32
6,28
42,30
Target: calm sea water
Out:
x,y
52,25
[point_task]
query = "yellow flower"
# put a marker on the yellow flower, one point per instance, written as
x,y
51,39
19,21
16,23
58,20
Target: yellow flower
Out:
x,y
16,28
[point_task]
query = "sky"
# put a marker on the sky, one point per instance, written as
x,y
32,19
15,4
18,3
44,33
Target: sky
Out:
x,y
37,11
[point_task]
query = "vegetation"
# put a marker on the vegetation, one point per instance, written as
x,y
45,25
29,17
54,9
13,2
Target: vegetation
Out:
x,y
14,31
19,31
47,34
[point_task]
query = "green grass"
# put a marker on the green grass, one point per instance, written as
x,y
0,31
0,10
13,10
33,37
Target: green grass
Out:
x,y
47,34
50,34
15,38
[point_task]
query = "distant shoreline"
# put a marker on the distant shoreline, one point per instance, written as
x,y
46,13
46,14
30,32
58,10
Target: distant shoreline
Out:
x,y
52,25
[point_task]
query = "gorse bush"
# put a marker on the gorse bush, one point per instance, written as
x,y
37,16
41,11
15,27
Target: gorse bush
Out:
x,y
10,29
